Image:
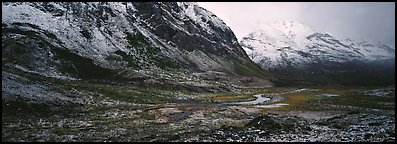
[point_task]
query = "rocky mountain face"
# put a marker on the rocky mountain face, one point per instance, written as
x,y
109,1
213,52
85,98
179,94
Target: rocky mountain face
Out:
x,y
99,40
293,51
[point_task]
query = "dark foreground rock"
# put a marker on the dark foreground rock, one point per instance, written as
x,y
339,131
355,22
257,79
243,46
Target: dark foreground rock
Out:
x,y
343,128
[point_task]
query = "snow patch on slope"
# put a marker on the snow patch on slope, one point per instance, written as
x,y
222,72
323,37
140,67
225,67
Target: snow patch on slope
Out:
x,y
202,17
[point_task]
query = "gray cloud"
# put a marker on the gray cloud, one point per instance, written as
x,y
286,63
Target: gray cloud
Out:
x,y
357,20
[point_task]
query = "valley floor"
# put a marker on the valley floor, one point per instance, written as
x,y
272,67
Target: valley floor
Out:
x,y
103,112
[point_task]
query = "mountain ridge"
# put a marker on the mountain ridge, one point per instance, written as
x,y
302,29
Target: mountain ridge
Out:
x,y
291,46
116,35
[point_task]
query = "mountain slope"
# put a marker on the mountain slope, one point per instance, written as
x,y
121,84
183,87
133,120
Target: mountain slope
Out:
x,y
49,46
113,36
293,51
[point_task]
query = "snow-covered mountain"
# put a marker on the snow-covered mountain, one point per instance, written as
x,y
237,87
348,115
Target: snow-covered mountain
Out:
x,y
293,51
52,39
291,43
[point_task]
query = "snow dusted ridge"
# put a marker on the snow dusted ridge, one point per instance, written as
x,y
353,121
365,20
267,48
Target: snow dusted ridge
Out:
x,y
181,32
202,16
67,27
284,43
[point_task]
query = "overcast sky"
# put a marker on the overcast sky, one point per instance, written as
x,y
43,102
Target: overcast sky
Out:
x,y
356,20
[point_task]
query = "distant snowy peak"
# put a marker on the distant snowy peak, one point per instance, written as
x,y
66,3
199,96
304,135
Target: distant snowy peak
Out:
x,y
287,42
287,28
291,27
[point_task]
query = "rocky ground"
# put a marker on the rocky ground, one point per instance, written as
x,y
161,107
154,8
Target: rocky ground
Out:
x,y
92,111
274,127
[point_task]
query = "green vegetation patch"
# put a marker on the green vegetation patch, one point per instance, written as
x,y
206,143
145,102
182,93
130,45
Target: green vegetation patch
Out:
x,y
250,69
153,51
121,92
167,63
131,61
347,100
363,101
137,40
140,43
231,97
